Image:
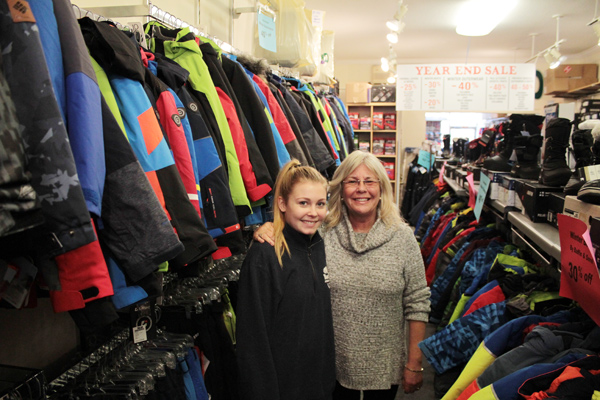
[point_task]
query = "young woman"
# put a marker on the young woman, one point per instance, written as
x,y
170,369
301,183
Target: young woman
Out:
x,y
285,344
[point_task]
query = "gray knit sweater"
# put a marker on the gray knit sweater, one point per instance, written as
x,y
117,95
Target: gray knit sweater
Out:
x,y
377,283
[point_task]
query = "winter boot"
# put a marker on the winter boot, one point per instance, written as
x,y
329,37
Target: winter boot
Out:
x,y
518,123
555,171
486,142
457,151
527,149
446,150
582,149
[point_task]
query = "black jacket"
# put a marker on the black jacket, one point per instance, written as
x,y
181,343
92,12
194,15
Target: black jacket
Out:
x,y
284,328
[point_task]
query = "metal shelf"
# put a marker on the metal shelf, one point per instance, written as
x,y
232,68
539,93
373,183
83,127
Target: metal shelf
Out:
x,y
542,234
457,189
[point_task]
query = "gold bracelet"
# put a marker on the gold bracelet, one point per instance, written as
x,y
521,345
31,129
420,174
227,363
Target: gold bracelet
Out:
x,y
413,370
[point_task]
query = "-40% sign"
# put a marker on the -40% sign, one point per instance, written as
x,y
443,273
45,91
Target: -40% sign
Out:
x,y
467,85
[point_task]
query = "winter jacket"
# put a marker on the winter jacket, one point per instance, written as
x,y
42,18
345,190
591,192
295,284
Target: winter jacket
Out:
x,y
285,344
318,150
114,51
254,112
187,53
218,209
254,170
19,209
134,225
51,163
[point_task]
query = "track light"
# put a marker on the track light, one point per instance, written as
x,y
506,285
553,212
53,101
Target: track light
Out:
x,y
554,58
595,24
391,79
392,37
385,64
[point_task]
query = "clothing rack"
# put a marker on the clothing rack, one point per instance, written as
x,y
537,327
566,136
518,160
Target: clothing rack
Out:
x,y
82,12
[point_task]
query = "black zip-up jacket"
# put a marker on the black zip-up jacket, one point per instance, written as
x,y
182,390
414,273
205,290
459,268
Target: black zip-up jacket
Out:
x,y
285,343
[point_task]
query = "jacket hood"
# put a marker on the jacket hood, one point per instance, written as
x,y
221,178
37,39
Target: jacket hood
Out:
x,y
112,49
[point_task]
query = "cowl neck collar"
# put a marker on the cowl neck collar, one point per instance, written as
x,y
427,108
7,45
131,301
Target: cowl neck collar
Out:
x,y
378,235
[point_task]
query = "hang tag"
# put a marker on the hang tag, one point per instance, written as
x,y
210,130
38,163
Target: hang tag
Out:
x,y
20,11
143,316
17,292
525,133
139,334
513,157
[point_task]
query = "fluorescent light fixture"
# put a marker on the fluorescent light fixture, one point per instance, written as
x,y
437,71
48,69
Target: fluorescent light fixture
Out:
x,y
480,17
554,58
392,37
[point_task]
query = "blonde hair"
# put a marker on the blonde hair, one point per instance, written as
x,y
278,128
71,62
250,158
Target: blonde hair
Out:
x,y
291,174
388,211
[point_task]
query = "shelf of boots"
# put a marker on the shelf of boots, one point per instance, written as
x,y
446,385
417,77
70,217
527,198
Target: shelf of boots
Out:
x,y
544,236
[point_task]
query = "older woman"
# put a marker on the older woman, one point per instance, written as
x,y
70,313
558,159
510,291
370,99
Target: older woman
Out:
x,y
377,282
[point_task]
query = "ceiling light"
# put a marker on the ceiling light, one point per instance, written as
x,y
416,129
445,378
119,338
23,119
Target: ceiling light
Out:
x,y
480,17
554,58
595,24
385,65
392,37
391,79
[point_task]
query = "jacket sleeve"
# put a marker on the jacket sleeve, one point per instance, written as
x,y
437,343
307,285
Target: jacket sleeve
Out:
x,y
257,301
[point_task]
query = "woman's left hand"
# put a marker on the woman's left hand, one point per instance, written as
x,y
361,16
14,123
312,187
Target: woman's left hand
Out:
x,y
412,381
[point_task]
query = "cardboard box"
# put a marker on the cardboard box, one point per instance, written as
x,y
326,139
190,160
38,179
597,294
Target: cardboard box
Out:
x,y
389,121
358,92
378,121
507,191
569,77
495,179
580,209
476,171
390,147
354,118
556,204
461,177
383,94
378,146
534,197
449,171
365,123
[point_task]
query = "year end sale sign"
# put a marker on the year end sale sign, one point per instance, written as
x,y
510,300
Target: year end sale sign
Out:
x,y
466,87
579,278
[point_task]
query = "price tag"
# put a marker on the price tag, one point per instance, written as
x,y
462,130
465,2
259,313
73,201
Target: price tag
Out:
x,y
579,279
442,171
424,159
484,184
139,334
472,191
267,38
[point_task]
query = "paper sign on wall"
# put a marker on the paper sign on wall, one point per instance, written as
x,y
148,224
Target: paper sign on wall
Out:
x,y
470,87
484,184
267,39
579,279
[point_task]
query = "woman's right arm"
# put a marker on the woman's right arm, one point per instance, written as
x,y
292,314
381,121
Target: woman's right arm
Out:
x,y
265,234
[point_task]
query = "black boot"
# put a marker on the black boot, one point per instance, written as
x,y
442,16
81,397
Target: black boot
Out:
x,y
457,151
446,150
555,171
527,149
582,149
